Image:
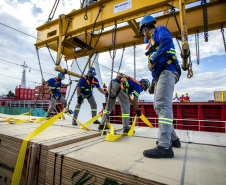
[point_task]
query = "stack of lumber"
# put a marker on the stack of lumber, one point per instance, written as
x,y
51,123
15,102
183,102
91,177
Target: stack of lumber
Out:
x,y
122,162
12,135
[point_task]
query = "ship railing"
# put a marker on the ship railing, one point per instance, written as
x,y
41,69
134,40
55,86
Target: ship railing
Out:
x,y
182,124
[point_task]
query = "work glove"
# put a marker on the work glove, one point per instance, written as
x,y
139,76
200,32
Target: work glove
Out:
x,y
151,66
80,99
151,88
138,113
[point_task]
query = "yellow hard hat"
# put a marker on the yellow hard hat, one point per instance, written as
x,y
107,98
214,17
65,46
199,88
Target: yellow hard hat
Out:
x,y
182,94
175,93
186,93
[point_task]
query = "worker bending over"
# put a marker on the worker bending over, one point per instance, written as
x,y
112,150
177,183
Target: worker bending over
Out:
x,y
85,90
55,85
163,64
122,87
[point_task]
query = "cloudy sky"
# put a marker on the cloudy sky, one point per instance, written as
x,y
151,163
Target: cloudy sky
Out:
x,y
25,15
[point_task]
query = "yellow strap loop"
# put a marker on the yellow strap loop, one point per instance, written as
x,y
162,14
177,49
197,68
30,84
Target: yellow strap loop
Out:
x,y
112,137
18,121
41,119
21,157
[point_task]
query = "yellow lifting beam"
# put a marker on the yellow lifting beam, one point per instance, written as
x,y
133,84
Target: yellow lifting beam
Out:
x,y
53,33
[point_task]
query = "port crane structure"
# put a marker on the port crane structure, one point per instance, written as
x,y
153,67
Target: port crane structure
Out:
x,y
77,33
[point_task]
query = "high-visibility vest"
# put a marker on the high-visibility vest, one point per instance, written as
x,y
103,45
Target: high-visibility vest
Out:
x,y
53,89
90,86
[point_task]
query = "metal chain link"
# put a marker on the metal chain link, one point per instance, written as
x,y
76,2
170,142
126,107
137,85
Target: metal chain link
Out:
x,y
197,46
222,31
123,50
177,23
91,54
134,48
205,19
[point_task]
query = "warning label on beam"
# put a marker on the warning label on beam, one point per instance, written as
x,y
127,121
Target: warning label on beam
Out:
x,y
123,6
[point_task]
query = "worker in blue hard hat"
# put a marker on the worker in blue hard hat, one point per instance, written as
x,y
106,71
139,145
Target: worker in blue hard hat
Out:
x,y
85,91
55,85
165,69
122,87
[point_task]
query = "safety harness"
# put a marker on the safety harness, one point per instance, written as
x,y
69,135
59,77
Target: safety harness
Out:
x,y
124,85
172,59
53,89
90,88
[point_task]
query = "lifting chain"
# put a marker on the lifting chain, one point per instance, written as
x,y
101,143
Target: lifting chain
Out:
x,y
222,31
205,19
113,42
173,12
123,50
86,16
190,72
134,48
91,54
197,46
53,10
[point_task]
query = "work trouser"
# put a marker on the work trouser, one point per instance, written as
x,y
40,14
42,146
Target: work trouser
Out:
x,y
53,100
124,103
92,103
162,104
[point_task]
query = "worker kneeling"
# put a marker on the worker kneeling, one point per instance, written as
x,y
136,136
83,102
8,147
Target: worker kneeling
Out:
x,y
122,87
85,90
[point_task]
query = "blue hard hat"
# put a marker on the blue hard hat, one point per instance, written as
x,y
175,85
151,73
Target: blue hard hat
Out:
x,y
145,20
92,71
147,84
61,75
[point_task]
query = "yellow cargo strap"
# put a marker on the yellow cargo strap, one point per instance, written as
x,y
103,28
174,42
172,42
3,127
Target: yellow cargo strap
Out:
x,y
112,137
17,121
82,126
41,119
21,156
14,116
91,121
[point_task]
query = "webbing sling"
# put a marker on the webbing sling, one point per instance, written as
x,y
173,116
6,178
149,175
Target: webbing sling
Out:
x,y
90,121
112,137
18,121
20,160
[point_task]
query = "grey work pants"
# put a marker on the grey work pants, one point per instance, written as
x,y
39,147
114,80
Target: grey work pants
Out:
x,y
92,103
124,103
162,104
53,100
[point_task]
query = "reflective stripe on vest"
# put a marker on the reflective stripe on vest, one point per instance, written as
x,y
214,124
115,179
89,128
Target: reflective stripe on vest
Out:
x,y
171,50
87,81
125,85
54,88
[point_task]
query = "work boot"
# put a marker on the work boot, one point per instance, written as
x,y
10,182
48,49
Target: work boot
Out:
x,y
126,130
175,143
74,122
159,152
101,127
96,122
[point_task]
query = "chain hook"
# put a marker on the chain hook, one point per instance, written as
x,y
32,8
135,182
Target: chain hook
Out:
x,y
86,16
